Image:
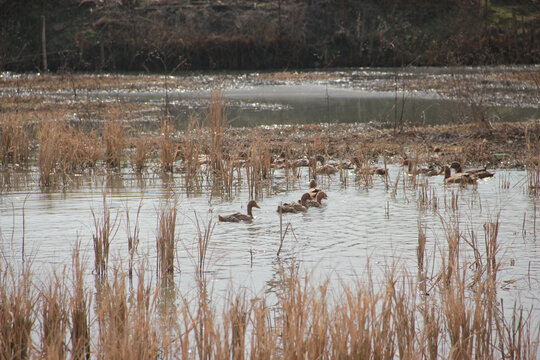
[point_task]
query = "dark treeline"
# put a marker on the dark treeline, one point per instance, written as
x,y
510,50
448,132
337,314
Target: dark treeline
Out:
x,y
158,36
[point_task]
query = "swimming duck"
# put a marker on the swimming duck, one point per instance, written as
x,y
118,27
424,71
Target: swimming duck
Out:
x,y
318,201
313,189
459,178
379,171
432,171
361,168
325,168
480,173
410,166
413,170
237,217
293,206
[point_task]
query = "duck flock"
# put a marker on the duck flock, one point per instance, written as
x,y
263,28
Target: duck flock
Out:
x,y
314,196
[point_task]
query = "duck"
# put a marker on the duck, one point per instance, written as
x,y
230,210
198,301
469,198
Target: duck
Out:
x,y
410,166
427,171
237,217
458,178
325,168
361,168
431,171
293,206
318,200
313,189
379,171
480,173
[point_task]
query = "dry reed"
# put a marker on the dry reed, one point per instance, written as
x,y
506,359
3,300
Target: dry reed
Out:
x,y
140,155
167,146
105,230
79,305
133,237
15,136
55,320
114,137
17,317
166,240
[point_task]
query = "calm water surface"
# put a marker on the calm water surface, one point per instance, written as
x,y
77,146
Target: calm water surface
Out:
x,y
356,225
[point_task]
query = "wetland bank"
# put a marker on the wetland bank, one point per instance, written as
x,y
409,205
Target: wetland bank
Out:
x,y
112,186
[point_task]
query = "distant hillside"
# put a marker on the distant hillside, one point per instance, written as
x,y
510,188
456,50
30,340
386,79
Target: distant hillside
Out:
x,y
159,36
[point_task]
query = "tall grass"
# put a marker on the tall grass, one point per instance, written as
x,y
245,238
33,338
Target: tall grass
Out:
x,y
216,122
105,229
17,313
191,151
15,137
114,138
133,237
65,149
167,146
166,240
79,306
140,155
54,319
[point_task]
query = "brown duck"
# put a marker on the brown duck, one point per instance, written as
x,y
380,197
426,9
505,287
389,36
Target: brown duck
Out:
x,y
293,206
237,217
480,173
318,200
459,178
313,189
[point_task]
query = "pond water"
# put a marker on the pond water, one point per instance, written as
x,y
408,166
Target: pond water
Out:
x,y
381,97
356,226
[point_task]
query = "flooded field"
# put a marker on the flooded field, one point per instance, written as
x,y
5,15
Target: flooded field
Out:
x,y
370,225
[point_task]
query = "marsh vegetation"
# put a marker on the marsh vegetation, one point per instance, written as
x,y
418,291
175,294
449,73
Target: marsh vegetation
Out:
x,y
111,247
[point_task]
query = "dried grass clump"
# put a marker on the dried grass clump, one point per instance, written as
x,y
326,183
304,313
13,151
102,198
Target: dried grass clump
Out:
x,y
216,122
79,308
65,149
105,230
191,152
54,320
125,318
167,146
15,137
17,316
140,156
532,158
258,166
114,137
166,240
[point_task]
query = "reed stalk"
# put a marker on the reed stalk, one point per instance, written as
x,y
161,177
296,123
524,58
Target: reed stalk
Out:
x,y
104,231
79,306
55,319
15,137
167,146
191,152
140,156
217,122
114,137
17,301
166,240
133,237
49,139
112,313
